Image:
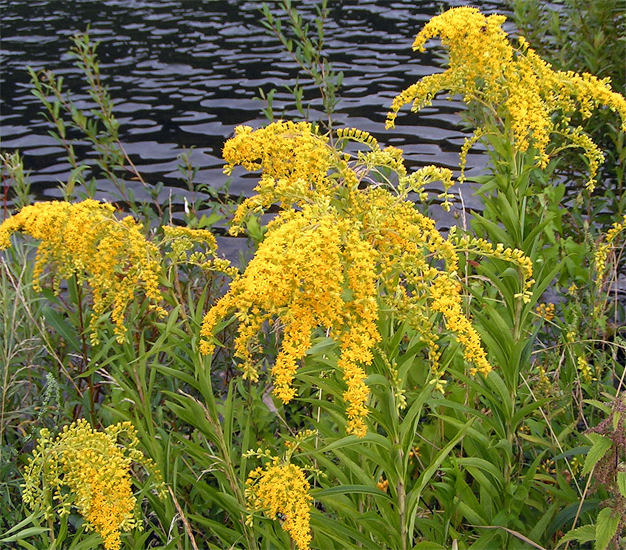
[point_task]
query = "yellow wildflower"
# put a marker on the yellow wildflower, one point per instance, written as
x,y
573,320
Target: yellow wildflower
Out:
x,y
531,99
86,240
382,484
605,246
294,161
281,491
333,254
546,311
585,369
196,247
90,471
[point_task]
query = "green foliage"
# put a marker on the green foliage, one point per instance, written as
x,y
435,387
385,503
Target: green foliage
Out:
x,y
530,456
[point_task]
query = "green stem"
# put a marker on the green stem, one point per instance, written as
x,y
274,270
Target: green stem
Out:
x,y
402,511
85,353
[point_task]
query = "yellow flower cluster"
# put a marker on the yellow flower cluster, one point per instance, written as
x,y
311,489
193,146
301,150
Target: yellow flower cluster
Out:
x,y
196,247
515,256
281,490
86,240
521,91
585,369
605,246
88,470
183,239
336,250
383,484
298,277
294,161
546,311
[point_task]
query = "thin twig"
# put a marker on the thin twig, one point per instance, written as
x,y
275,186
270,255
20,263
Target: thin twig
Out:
x,y
184,519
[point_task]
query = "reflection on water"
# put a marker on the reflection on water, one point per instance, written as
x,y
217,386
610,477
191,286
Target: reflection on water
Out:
x,y
184,74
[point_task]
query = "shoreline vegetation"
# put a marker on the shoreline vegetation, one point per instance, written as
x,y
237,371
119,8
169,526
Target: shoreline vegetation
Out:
x,y
363,380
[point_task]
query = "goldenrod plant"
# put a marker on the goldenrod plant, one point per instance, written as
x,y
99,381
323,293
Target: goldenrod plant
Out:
x,y
517,94
600,30
365,380
88,470
85,240
336,254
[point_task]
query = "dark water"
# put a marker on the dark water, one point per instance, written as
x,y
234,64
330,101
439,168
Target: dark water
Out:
x,y
184,73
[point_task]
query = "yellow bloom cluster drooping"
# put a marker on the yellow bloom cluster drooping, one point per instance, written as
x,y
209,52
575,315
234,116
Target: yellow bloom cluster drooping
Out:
x,y
346,241
523,93
297,277
183,239
500,252
281,490
88,470
86,240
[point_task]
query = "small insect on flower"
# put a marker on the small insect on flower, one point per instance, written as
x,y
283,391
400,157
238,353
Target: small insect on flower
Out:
x,y
281,491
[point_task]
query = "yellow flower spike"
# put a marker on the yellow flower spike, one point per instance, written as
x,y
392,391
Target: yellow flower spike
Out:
x,y
293,158
360,136
281,491
604,248
196,247
520,87
585,369
87,241
88,470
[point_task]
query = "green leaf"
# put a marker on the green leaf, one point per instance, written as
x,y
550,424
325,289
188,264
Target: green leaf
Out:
x,y
484,465
586,533
414,495
20,526
342,533
540,528
412,417
354,440
349,489
497,384
598,404
575,451
62,326
29,532
570,512
606,527
525,411
600,445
